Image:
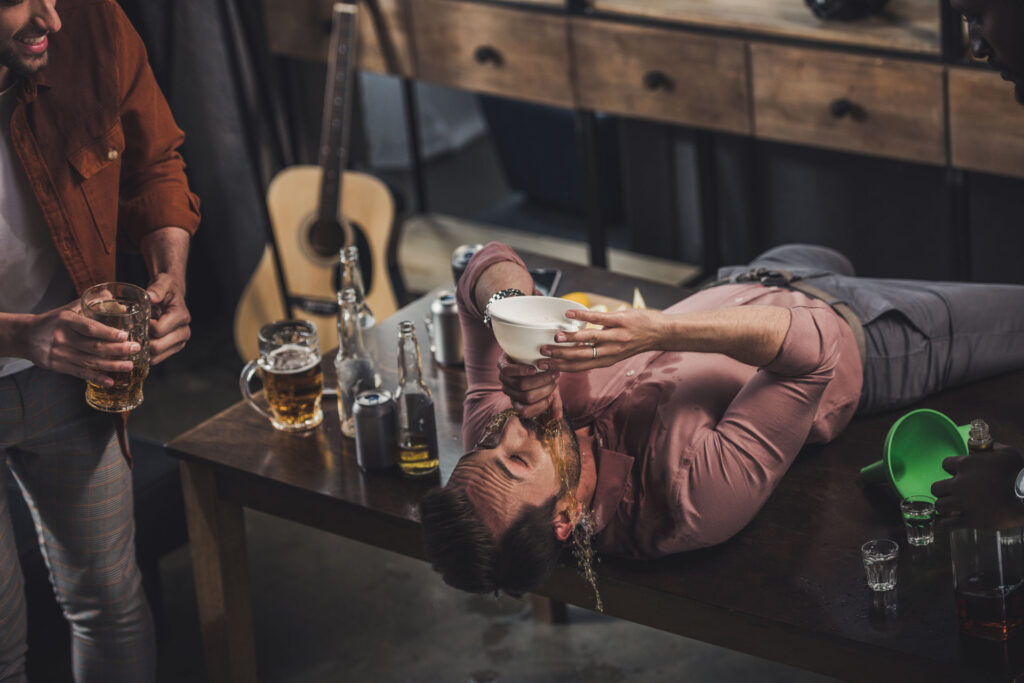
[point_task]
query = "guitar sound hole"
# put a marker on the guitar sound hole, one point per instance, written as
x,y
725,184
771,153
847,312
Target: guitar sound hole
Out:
x,y
326,238
365,263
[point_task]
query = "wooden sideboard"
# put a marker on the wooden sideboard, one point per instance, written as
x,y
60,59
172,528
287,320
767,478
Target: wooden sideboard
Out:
x,y
766,68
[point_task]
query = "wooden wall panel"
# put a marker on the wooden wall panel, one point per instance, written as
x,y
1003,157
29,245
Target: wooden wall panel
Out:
x,y
986,123
905,25
302,29
664,75
494,50
895,106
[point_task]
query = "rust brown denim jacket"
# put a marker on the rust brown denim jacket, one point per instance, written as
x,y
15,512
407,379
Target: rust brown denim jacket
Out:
x,y
99,145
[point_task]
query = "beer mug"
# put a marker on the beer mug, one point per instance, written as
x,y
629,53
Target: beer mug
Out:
x,y
293,381
125,307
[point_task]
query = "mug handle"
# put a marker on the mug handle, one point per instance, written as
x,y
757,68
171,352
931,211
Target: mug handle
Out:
x,y
244,383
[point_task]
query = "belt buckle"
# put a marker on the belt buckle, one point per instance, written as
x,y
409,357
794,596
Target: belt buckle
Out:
x,y
765,276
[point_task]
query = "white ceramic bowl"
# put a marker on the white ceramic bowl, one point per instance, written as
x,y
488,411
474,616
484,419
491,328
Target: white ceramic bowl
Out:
x,y
523,324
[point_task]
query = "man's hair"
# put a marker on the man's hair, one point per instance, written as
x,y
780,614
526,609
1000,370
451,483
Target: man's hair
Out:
x,y
469,558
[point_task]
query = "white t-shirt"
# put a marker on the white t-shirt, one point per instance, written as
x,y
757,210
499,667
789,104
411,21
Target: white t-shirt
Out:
x,y
32,277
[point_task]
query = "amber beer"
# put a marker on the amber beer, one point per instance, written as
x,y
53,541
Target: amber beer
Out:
x,y
124,307
293,382
126,393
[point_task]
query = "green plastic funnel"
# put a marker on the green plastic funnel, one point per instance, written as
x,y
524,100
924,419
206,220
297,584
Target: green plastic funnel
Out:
x,y
914,450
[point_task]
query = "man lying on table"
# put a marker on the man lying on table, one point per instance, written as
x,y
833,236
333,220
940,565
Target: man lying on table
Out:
x,y
684,421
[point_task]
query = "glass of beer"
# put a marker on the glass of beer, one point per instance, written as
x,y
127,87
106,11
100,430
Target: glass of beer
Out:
x,y
293,382
125,307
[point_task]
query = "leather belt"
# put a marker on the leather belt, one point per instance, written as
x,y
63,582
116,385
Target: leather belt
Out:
x,y
773,277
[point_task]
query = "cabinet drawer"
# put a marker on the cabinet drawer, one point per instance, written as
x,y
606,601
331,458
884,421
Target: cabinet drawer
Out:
x,y
495,50
884,107
302,28
986,125
660,74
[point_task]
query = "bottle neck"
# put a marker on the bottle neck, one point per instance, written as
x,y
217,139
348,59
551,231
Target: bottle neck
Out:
x,y
352,275
979,438
409,371
350,332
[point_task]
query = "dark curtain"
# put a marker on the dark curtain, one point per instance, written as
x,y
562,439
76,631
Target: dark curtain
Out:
x,y
246,114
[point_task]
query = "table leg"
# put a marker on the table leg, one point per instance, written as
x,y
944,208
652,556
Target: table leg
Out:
x,y
548,610
707,179
216,531
589,151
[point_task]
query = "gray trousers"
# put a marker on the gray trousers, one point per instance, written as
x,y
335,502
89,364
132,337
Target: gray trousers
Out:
x,y
921,336
66,460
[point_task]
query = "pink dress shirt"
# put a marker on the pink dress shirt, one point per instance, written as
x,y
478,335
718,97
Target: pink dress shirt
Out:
x,y
691,444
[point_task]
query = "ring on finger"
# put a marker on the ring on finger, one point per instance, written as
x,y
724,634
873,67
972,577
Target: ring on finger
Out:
x,y
595,350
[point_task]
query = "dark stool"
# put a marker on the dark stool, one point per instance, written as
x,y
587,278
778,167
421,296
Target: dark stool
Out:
x,y
159,529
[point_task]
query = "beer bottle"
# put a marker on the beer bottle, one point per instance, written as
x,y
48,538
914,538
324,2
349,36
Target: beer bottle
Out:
x,y
353,364
417,431
352,277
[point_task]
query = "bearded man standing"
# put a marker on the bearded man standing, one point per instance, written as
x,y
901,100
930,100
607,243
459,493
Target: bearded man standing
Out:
x,y
88,165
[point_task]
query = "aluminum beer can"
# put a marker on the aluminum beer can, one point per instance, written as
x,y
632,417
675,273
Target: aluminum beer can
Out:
x,y
376,442
461,257
446,333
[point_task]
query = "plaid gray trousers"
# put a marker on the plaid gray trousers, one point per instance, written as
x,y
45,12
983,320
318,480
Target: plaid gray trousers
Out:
x,y
78,487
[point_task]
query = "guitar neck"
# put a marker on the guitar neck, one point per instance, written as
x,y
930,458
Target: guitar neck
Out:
x,y
337,107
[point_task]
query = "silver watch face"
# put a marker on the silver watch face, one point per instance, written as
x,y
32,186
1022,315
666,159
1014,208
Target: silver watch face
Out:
x,y
1019,486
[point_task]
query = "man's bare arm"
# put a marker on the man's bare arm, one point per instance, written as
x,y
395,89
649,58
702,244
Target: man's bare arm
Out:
x,y
501,275
166,254
750,334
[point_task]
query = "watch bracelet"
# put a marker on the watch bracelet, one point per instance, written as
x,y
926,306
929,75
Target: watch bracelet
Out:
x,y
498,296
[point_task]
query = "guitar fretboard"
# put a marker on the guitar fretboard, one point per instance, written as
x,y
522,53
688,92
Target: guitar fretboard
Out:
x,y
337,106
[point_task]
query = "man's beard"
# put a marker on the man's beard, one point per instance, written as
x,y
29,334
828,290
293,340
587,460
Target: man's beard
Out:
x,y
19,65
1012,76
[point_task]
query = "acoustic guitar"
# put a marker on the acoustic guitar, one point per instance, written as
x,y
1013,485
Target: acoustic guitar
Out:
x,y
314,212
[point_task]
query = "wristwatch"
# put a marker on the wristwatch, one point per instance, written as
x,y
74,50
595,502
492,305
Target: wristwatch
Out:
x,y
1018,487
498,296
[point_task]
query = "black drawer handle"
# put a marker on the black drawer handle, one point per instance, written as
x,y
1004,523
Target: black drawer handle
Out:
x,y
485,54
841,107
657,80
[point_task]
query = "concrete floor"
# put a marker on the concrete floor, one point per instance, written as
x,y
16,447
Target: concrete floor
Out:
x,y
330,609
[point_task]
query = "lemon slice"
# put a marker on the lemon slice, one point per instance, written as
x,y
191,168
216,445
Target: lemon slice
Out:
x,y
578,297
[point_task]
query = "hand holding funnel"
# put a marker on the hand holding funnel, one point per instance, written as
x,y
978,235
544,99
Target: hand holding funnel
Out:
x,y
914,450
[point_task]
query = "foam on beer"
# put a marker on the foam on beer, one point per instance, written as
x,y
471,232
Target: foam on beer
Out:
x,y
290,359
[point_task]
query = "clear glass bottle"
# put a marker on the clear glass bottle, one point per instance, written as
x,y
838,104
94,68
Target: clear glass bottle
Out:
x,y
353,364
417,429
979,438
352,277
988,570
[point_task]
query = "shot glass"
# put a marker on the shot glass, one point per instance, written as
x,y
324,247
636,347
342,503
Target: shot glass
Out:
x,y
879,557
919,519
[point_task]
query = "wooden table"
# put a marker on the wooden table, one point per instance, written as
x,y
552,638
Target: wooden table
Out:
x,y
789,587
